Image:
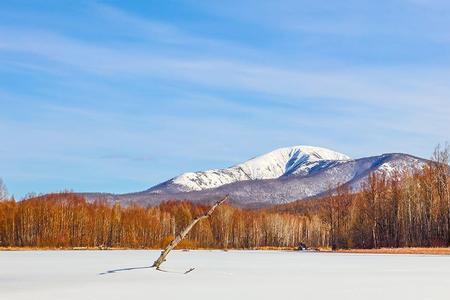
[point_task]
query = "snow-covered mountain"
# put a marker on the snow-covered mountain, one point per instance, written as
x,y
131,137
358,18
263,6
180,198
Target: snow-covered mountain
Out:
x,y
281,176
296,160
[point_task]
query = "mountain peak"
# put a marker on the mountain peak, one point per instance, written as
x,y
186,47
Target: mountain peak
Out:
x,y
314,153
295,160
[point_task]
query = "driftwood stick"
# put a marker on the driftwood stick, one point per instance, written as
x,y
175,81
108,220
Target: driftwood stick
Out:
x,y
184,232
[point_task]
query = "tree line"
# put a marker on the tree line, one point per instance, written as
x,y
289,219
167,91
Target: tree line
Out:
x,y
399,210
67,220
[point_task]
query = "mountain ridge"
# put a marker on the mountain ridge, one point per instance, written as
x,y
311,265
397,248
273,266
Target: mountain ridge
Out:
x,y
313,181
284,161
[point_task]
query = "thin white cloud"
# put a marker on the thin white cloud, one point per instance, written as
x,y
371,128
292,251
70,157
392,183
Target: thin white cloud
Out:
x,y
143,27
405,84
405,88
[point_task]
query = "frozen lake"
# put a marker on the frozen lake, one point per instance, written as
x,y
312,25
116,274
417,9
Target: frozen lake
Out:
x,y
221,275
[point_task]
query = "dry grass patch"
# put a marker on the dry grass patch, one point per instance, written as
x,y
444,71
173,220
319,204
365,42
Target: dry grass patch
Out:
x,y
435,251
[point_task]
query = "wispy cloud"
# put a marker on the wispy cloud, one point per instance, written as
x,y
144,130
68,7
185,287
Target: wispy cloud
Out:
x,y
385,85
149,29
126,157
416,91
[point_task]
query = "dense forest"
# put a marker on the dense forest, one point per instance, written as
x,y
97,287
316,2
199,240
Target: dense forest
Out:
x,y
399,210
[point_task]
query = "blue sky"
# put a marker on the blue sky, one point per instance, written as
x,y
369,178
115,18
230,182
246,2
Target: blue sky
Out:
x,y
118,96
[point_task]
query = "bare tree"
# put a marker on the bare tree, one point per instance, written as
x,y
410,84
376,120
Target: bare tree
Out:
x,y
184,232
3,190
440,166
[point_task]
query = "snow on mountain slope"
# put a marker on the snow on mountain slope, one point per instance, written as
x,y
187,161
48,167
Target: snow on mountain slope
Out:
x,y
389,165
281,176
296,160
284,189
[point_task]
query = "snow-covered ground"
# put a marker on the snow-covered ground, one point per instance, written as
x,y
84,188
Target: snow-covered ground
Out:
x,y
221,275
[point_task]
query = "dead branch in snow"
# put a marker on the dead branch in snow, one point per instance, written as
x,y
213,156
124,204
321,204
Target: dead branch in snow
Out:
x,y
184,232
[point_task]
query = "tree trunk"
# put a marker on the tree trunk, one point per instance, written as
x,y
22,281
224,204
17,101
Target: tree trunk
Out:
x,y
184,232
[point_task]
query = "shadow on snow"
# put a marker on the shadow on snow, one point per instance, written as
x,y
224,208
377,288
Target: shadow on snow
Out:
x,y
124,269
140,268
